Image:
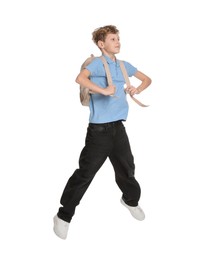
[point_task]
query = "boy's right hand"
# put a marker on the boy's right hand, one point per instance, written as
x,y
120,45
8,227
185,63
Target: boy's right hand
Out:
x,y
109,91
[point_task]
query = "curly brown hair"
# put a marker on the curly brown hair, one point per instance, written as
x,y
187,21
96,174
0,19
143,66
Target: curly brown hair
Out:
x,y
100,33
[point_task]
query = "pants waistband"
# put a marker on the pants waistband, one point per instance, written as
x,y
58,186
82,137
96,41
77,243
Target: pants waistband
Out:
x,y
107,125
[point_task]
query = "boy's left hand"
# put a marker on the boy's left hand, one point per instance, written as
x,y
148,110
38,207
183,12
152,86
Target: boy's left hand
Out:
x,y
131,90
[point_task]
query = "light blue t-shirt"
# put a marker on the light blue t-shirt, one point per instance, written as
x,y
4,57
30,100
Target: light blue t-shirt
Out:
x,y
105,109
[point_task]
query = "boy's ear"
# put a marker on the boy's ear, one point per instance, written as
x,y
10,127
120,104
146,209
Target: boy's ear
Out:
x,y
100,44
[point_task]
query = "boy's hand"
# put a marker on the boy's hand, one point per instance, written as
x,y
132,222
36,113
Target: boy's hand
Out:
x,y
132,90
109,91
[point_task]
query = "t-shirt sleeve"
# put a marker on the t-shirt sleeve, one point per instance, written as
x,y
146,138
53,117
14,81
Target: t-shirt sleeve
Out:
x,y
131,70
96,68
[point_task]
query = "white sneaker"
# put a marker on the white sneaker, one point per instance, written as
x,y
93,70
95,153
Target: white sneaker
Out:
x,y
136,212
60,227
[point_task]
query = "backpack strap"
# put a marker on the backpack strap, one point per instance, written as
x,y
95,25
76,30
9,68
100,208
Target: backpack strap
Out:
x,y
106,66
125,75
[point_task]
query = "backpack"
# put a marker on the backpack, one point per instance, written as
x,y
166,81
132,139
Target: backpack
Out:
x,y
85,92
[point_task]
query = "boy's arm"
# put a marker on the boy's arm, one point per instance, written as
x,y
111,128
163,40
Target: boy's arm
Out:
x,y
83,80
146,81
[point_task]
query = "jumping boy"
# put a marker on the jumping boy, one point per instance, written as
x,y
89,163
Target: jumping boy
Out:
x,y
106,135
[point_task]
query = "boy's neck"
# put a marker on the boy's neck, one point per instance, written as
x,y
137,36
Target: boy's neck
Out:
x,y
110,55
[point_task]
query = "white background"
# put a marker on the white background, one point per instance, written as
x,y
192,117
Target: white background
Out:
x,y
43,127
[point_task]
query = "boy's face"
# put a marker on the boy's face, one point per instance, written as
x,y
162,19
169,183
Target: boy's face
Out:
x,y
111,44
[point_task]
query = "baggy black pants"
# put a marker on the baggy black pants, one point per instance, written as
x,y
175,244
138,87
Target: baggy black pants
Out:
x,y
102,141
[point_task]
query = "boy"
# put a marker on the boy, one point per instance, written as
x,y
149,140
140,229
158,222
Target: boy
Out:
x,y
106,136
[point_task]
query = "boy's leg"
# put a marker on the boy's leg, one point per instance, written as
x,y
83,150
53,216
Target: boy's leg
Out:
x,y
123,162
93,155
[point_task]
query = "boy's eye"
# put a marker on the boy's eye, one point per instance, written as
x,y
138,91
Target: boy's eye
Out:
x,y
113,39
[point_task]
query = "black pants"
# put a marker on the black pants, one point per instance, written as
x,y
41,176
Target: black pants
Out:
x,y
102,141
